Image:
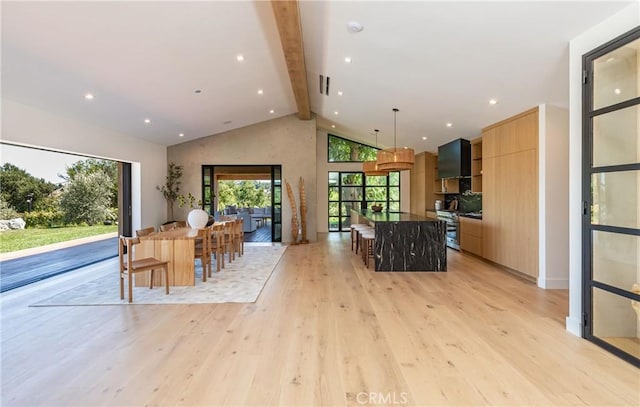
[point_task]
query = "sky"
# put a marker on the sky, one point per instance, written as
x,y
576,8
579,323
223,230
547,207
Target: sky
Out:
x,y
39,163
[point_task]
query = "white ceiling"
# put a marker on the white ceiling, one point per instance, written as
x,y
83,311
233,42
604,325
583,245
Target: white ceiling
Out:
x,y
437,62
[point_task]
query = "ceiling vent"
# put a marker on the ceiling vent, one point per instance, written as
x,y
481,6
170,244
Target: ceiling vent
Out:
x,y
324,86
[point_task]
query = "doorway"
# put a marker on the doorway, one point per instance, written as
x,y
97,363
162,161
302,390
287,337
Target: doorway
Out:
x,y
611,196
253,192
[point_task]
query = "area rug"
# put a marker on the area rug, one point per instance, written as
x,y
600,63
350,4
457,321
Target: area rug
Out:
x,y
240,282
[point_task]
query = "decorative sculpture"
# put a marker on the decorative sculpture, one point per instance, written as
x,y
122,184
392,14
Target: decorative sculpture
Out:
x,y
294,214
303,211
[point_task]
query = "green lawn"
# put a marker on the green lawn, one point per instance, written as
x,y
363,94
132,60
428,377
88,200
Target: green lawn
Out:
x,y
12,240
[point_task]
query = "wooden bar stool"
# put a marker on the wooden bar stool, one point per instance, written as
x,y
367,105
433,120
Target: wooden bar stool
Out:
x,y
368,243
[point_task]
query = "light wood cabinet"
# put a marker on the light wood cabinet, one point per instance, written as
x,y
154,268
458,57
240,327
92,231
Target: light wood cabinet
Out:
x,y
510,193
422,175
471,235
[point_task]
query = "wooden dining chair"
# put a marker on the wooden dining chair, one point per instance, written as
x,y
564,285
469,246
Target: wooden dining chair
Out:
x,y
238,236
217,245
229,242
129,266
203,251
145,231
167,226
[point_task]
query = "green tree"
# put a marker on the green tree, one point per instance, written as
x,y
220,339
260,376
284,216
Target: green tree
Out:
x,y
86,198
18,186
93,165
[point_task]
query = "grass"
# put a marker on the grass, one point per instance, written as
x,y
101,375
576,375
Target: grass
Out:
x,y
12,240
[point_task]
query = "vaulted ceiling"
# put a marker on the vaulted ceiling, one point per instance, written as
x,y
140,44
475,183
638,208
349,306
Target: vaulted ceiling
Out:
x,y
177,64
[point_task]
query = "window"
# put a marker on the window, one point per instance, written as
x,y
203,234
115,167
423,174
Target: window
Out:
x,y
354,190
343,150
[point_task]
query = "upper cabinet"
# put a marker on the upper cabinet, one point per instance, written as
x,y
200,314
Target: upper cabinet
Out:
x,y
454,159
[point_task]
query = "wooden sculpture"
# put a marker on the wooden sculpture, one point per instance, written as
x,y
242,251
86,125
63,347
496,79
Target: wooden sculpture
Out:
x,y
294,214
303,211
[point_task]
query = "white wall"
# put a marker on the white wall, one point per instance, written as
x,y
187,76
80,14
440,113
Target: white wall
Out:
x,y
33,127
607,30
285,141
323,168
553,150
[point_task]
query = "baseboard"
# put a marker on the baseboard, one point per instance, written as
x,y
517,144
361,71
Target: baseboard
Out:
x,y
574,326
553,283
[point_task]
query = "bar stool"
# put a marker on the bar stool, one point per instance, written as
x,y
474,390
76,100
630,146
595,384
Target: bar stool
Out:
x,y
358,229
355,227
368,243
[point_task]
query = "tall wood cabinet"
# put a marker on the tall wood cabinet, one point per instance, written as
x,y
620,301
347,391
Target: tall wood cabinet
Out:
x,y
422,177
510,193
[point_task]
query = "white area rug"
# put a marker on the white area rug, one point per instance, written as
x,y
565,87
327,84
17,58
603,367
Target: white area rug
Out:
x,y
240,281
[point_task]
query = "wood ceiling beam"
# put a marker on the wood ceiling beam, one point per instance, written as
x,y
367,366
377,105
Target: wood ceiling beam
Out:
x,y
288,21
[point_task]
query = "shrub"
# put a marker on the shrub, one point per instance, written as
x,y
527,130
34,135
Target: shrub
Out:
x,y
7,212
44,219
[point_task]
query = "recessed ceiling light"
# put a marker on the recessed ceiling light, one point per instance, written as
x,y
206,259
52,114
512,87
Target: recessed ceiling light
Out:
x,y
611,59
617,91
147,121
272,111
347,60
406,148
493,101
181,135
227,122
333,126
335,113
340,93
198,91
240,58
424,137
354,27
260,91
449,124
89,96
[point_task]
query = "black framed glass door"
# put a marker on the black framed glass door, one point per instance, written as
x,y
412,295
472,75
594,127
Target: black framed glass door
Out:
x,y
276,203
611,196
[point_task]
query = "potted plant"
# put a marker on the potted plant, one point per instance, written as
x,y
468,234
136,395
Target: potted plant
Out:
x,y
171,189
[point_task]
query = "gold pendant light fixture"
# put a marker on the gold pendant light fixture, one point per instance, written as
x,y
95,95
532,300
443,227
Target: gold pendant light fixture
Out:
x,y
371,167
396,159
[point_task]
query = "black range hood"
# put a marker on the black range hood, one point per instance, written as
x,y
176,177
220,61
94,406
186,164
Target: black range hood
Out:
x,y
454,159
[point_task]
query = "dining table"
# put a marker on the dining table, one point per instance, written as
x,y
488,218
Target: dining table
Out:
x,y
177,247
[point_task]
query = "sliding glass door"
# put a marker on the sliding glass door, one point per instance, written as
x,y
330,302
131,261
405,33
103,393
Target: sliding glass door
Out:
x,y
611,193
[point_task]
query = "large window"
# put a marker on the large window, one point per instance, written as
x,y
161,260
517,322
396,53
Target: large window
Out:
x,y
343,150
354,190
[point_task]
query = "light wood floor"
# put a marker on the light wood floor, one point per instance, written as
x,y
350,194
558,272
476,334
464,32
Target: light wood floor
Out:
x,y
325,331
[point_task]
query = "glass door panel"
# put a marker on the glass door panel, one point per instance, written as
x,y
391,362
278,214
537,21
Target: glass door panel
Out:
x,y
615,199
615,75
616,137
616,259
615,321
611,189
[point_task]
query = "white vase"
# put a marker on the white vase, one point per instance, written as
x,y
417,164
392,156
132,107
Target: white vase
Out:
x,y
197,218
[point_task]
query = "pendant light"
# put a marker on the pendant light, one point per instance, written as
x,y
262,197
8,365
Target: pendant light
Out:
x,y
371,167
396,159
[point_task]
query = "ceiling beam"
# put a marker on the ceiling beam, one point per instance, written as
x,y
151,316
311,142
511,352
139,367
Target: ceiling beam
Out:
x,y
288,21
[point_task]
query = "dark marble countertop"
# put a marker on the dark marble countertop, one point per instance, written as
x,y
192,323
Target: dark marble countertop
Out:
x,y
394,217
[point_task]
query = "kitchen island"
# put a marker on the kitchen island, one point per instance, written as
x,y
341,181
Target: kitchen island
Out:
x,y
406,242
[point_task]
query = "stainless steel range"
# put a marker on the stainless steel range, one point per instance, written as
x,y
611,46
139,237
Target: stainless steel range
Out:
x,y
453,227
